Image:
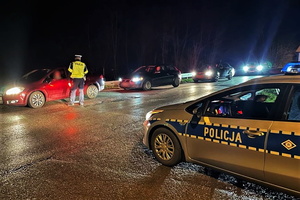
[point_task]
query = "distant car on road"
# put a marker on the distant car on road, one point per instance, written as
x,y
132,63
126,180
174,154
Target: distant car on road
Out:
x,y
42,85
257,68
214,72
146,77
291,68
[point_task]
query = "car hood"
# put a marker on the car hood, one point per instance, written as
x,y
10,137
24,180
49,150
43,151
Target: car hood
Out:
x,y
20,83
180,106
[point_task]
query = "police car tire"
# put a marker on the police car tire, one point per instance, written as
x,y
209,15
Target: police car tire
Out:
x,y
36,99
147,85
92,91
176,82
166,138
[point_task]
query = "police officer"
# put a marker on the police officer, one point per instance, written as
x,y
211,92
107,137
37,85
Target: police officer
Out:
x,y
78,71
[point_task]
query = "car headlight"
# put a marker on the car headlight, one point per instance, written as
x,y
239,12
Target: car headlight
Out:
x,y
152,112
14,90
259,68
193,73
120,79
245,68
137,79
233,71
208,73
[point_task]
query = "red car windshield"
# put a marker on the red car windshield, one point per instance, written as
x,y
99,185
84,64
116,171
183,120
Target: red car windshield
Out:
x,y
34,75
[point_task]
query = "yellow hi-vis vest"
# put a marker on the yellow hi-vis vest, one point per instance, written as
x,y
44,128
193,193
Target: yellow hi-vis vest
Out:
x,y
78,69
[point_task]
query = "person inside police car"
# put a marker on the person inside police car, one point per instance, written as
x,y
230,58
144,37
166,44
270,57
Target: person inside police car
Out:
x,y
78,71
260,98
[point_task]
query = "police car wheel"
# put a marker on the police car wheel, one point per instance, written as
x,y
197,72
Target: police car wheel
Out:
x,y
166,147
176,82
36,99
92,91
147,85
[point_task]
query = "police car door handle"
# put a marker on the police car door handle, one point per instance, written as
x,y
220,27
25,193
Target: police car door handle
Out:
x,y
253,134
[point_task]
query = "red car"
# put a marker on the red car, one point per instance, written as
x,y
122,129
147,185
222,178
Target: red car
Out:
x,y
42,85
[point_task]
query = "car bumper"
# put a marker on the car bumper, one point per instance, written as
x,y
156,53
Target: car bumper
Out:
x,y
18,100
146,126
130,85
202,77
292,71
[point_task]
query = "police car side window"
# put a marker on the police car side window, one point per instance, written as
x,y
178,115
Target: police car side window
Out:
x,y
246,97
294,112
253,104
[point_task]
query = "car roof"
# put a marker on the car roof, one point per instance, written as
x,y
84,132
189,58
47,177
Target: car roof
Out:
x,y
274,79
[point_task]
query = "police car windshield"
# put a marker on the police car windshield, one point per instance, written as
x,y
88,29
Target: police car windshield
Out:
x,y
34,75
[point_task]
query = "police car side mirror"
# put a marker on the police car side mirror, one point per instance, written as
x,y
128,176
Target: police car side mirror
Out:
x,y
197,112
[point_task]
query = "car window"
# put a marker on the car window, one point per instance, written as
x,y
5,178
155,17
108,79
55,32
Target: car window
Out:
x,y
294,110
251,103
34,75
270,93
58,74
247,96
170,68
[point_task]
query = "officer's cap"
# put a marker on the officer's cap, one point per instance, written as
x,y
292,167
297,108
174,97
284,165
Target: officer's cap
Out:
x,y
78,56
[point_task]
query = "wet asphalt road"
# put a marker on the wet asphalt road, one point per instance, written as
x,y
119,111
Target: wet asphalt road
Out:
x,y
96,151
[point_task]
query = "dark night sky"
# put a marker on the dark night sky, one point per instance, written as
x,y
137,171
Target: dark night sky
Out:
x,y
121,35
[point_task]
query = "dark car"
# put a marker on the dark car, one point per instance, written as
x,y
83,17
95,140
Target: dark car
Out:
x,y
214,72
42,85
146,77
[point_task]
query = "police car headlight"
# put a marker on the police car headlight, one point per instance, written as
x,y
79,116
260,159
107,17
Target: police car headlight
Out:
x,y
259,68
137,79
208,73
152,112
245,68
14,90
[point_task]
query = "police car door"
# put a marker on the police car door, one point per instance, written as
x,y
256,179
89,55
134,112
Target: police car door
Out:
x,y
231,131
283,148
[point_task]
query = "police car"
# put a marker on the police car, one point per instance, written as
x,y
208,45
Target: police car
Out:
x,y
251,130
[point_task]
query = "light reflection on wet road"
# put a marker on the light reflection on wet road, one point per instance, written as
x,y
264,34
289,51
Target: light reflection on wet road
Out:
x,y
96,151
